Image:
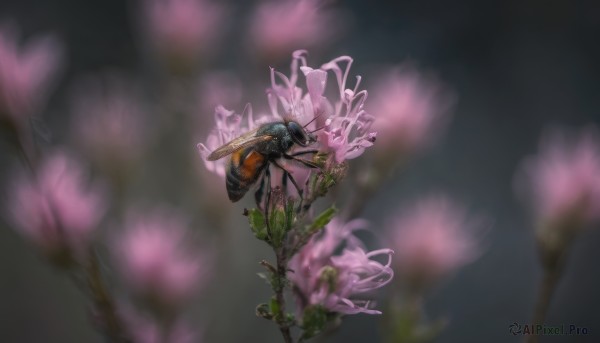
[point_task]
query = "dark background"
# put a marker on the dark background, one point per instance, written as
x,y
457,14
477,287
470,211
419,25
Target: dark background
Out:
x,y
517,68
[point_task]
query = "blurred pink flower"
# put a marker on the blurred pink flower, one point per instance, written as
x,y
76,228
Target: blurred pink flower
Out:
x,y
279,27
184,29
563,180
57,211
109,120
142,329
321,277
411,109
432,239
156,261
25,73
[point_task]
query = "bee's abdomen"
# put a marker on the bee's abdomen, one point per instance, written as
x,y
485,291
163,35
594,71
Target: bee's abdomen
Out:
x,y
244,169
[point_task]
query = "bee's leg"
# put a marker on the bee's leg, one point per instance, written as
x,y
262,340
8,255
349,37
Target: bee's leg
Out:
x,y
258,195
268,201
309,164
288,175
298,153
284,178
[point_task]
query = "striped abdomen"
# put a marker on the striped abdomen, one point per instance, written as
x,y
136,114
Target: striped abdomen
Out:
x,y
243,171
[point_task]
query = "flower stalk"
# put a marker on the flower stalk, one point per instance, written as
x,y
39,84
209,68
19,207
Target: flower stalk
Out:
x,y
278,287
553,259
110,323
545,292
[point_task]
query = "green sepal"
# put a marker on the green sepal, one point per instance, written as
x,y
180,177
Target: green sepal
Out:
x,y
289,215
278,225
314,320
256,219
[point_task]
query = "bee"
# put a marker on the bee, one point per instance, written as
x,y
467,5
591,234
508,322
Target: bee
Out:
x,y
253,152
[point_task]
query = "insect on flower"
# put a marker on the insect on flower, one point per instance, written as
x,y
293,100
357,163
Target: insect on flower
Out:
x,y
252,154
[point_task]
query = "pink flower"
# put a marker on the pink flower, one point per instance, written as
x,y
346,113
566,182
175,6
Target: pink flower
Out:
x,y
562,181
346,132
411,109
57,211
279,27
348,129
25,73
155,260
322,277
228,126
109,120
184,29
432,239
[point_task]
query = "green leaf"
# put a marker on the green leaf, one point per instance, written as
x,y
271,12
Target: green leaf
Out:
x,y
257,223
274,306
322,219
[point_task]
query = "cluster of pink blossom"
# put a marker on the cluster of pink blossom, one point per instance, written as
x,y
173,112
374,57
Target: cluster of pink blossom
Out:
x,y
279,27
109,120
321,276
411,109
183,30
346,132
432,239
561,181
56,209
155,260
161,271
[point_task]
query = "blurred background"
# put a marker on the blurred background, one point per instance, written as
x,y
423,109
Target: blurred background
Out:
x,y
514,67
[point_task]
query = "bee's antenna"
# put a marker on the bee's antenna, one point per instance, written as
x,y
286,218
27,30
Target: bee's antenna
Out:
x,y
321,128
315,118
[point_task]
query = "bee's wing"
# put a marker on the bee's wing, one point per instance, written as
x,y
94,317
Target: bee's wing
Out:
x,y
243,141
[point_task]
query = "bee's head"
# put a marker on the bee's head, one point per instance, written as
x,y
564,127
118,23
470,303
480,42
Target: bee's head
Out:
x,y
299,135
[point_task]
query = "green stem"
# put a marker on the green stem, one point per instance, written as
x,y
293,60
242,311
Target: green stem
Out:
x,y
553,260
546,290
103,302
279,287
26,148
